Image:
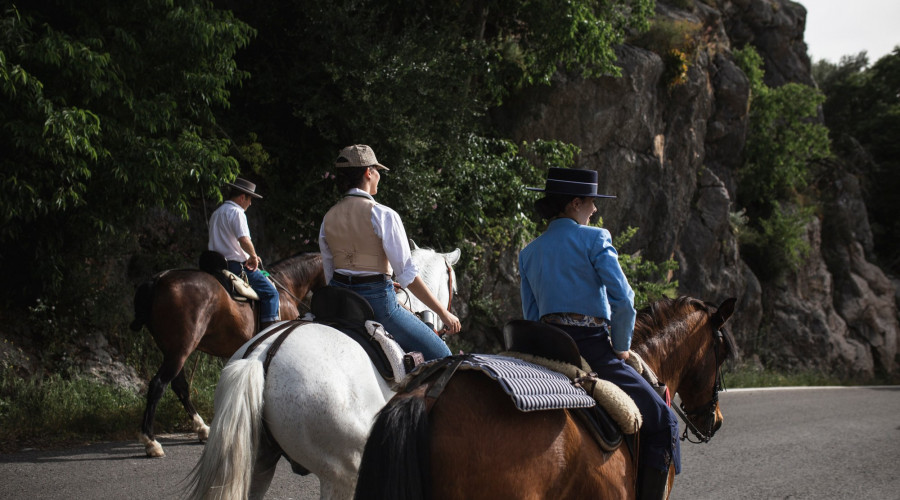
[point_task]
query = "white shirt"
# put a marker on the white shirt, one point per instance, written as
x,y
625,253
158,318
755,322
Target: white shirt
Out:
x,y
388,226
227,224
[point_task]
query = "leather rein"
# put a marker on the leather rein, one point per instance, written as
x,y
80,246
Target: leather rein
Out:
x,y
709,409
449,289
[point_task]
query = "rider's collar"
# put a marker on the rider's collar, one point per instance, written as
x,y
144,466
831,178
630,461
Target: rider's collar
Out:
x,y
359,193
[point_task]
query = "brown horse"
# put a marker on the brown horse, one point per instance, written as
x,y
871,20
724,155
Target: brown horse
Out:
x,y
188,309
474,443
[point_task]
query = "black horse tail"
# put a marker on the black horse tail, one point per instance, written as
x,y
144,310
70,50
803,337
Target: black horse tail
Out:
x,y
143,299
396,461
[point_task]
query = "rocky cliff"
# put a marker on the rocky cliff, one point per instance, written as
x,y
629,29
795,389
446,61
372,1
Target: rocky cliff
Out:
x,y
671,152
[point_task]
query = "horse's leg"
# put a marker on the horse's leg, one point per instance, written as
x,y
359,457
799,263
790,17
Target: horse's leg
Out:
x,y
183,391
267,455
158,384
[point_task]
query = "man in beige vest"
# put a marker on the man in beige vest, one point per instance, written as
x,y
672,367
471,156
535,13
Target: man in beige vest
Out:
x,y
363,243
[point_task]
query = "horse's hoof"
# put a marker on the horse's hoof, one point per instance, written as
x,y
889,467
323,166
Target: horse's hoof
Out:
x,y
200,428
152,447
203,433
154,450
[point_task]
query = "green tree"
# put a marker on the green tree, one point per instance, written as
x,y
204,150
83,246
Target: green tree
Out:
x,y
416,81
784,137
862,112
107,110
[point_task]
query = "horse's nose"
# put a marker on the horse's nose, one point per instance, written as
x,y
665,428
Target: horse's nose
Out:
x,y
718,419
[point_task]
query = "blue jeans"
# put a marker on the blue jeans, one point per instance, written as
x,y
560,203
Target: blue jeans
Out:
x,y
408,330
268,295
659,432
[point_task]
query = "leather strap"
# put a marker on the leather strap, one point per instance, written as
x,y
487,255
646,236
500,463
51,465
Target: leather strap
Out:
x,y
434,390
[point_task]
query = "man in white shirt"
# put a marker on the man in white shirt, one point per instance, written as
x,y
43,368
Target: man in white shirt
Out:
x,y
363,243
229,235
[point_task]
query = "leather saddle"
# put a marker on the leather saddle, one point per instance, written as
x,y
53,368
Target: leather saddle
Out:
x,y
547,341
215,264
348,311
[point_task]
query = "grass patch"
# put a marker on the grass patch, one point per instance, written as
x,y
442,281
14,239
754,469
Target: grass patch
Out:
x,y
52,410
746,376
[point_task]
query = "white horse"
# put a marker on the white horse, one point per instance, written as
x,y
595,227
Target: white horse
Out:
x,y
433,272
318,401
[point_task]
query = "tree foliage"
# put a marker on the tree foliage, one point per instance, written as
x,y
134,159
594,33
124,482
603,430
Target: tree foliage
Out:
x,y
862,112
415,80
784,137
107,109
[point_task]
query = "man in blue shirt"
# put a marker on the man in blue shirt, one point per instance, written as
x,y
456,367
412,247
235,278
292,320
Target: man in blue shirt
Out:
x,y
571,278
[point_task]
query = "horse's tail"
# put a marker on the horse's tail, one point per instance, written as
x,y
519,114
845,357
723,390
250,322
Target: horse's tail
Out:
x,y
396,461
143,300
226,466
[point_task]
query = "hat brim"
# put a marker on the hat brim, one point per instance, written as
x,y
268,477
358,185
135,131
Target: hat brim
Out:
x,y
376,166
542,190
244,190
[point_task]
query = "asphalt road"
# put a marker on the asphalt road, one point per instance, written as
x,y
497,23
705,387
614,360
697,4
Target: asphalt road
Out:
x,y
807,443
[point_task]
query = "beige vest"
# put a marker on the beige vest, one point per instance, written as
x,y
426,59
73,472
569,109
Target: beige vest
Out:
x,y
352,239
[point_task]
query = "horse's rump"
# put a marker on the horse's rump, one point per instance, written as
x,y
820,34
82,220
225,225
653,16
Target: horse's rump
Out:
x,y
481,446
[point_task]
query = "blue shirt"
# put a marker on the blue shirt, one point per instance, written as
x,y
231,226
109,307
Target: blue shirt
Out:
x,y
573,268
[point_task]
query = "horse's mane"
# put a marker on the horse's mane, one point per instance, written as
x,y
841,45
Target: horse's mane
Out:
x,y
302,265
662,322
432,253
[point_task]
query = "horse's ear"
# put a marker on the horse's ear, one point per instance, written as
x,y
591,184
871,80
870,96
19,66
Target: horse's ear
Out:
x,y
725,310
453,257
412,244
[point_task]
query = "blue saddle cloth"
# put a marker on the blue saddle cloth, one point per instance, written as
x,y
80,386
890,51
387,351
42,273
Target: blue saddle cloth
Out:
x,y
531,387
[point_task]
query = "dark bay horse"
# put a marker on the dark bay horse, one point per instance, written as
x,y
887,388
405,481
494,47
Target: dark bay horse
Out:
x,y
188,309
474,443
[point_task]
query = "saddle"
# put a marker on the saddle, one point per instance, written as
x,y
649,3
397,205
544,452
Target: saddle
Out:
x,y
534,351
215,264
349,312
546,345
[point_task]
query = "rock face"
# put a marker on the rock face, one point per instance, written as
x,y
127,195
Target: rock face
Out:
x,y
671,153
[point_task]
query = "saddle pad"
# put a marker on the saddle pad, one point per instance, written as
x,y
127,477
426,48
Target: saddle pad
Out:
x,y
530,386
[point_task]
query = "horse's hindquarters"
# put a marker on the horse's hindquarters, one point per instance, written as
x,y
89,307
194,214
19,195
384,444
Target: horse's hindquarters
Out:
x,y
483,447
321,396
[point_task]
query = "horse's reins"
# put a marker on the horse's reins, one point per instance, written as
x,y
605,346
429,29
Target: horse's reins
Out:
x,y
279,285
710,407
449,289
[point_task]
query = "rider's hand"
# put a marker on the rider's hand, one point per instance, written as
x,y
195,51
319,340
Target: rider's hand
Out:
x,y
252,263
451,324
623,355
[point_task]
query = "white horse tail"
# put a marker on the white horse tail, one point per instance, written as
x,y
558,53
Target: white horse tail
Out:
x,y
226,465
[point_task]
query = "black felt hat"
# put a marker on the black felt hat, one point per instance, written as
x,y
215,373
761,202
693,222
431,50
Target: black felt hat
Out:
x,y
571,181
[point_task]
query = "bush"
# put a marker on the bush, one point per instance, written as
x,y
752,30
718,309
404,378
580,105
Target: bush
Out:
x,y
784,138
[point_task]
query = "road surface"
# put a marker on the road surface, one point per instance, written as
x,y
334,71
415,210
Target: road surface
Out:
x,y
805,443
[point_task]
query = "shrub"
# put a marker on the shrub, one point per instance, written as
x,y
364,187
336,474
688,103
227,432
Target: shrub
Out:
x,y
784,138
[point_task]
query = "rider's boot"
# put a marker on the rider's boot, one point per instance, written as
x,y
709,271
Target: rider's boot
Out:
x,y
652,484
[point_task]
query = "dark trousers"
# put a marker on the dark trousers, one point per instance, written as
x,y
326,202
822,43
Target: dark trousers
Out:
x,y
659,444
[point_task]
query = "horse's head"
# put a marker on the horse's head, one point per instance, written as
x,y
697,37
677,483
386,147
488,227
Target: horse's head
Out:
x,y
688,342
436,270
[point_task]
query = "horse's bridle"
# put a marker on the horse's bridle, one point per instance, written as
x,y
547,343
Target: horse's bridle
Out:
x,y
449,288
709,409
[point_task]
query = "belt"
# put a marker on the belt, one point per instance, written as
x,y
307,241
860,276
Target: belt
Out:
x,y
359,280
573,319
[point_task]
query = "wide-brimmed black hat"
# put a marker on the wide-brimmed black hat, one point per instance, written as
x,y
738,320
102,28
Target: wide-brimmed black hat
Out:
x,y
571,181
244,186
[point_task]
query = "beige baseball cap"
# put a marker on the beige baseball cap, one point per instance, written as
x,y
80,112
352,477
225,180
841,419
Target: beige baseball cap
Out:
x,y
358,155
